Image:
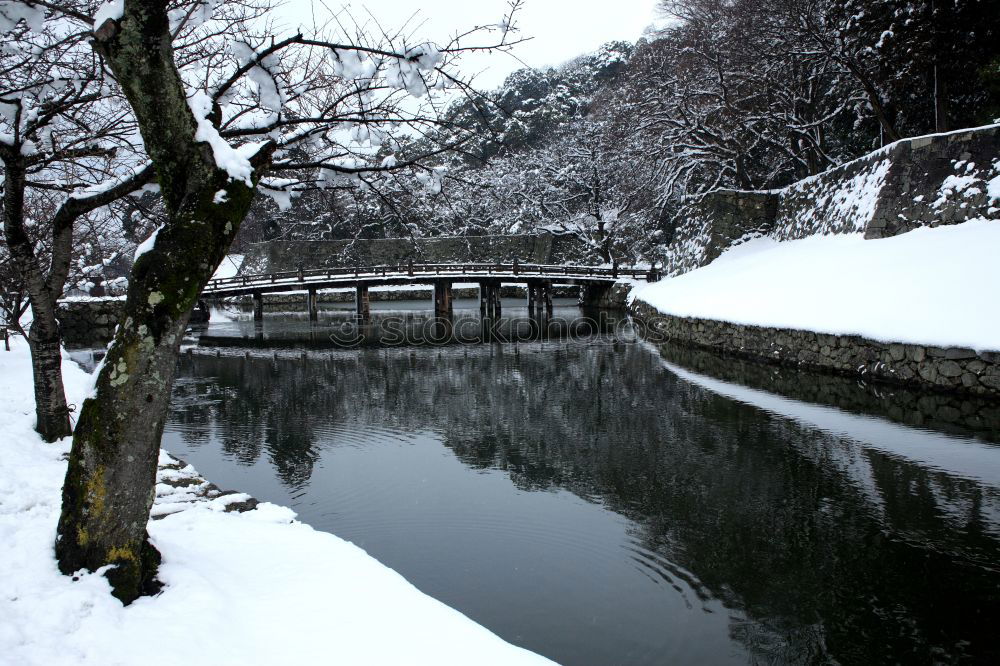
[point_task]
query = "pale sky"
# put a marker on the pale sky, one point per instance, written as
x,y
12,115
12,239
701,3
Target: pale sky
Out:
x,y
561,29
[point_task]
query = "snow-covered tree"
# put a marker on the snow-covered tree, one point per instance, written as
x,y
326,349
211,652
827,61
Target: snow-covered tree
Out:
x,y
225,108
67,149
735,94
924,65
547,157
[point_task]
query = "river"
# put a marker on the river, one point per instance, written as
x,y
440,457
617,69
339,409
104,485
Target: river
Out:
x,y
586,496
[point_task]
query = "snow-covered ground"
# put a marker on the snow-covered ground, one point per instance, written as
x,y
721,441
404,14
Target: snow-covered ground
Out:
x,y
933,286
229,267
241,588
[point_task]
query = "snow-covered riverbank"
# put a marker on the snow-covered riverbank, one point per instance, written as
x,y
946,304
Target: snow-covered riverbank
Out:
x,y
931,286
240,588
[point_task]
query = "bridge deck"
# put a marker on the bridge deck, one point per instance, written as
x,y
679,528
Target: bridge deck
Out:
x,y
419,274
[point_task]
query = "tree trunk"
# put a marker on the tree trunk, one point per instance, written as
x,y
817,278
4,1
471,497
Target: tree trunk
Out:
x,y
51,410
882,114
52,415
941,108
111,477
110,480
606,243
742,178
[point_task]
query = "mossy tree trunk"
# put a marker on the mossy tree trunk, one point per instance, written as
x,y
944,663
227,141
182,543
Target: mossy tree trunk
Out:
x,y
110,480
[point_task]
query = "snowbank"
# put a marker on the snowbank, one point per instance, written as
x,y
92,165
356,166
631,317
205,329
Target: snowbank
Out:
x,y
251,588
931,286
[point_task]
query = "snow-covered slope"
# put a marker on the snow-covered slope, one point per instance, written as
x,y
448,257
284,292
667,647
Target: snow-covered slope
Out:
x,y
933,286
251,588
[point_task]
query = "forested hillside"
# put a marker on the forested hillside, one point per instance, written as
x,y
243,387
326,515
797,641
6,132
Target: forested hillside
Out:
x,y
731,94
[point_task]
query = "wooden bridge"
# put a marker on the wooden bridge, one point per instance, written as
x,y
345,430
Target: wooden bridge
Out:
x,y
539,279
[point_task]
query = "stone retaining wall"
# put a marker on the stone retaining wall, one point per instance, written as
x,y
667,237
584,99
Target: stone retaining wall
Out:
x,y
714,223
926,367
89,322
543,248
614,297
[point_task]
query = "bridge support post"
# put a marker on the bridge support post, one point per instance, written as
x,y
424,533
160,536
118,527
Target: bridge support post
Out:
x,y
442,298
312,304
362,302
594,295
539,296
258,306
489,298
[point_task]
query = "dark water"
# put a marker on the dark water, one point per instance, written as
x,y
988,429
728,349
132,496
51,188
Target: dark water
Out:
x,y
590,500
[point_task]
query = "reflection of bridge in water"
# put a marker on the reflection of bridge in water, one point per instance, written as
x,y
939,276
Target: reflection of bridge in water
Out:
x,y
538,278
409,329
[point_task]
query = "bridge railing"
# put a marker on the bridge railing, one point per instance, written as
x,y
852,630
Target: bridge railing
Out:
x,y
473,270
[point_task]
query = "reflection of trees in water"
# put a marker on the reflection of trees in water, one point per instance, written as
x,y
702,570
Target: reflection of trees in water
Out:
x,y
829,549
245,406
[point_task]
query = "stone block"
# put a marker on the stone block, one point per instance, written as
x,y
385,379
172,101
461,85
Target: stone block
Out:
x,y
949,369
990,381
928,373
975,366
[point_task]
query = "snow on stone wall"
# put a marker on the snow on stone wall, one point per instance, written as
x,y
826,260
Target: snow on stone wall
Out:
x,y
840,201
89,321
714,224
925,181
